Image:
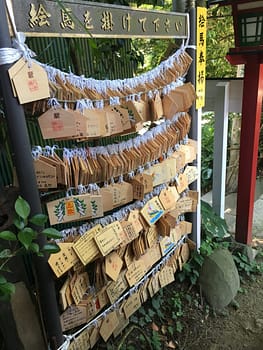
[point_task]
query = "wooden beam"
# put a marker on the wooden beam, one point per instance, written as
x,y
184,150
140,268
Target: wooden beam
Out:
x,y
90,19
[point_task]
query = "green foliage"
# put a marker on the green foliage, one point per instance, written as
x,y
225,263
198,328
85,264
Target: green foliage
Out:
x,y
245,266
179,326
212,225
190,269
152,52
8,235
207,151
177,306
214,229
148,53
154,311
22,208
6,288
220,37
38,219
23,241
155,341
157,303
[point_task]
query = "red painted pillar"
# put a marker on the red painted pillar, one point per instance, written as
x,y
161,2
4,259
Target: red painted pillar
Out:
x,y
249,140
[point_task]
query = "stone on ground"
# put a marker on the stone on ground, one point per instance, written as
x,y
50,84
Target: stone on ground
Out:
x,y
26,319
219,279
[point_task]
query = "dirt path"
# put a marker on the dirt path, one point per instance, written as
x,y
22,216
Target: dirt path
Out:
x,y
241,329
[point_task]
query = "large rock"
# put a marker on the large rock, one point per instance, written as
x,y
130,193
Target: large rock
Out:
x,y
27,323
219,279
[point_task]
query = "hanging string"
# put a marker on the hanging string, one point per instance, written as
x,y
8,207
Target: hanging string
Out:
x,y
86,103
124,145
19,49
120,85
118,215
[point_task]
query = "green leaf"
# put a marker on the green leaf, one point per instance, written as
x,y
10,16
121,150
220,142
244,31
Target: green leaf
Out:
x,y
25,238
22,208
142,311
199,259
34,247
187,267
156,303
179,326
5,253
92,44
160,314
19,223
207,174
51,248
52,233
181,277
195,272
148,319
2,279
38,219
170,330
30,232
193,279
8,236
151,313
6,290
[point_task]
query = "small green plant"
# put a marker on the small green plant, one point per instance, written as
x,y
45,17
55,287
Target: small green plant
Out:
x,y
214,235
157,303
156,341
190,271
153,312
23,241
245,266
179,326
212,225
207,151
177,305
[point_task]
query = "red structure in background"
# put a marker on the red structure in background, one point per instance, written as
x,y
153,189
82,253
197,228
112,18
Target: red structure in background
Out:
x,y
248,29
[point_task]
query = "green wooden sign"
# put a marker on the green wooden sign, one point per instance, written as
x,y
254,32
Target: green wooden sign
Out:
x,y
87,19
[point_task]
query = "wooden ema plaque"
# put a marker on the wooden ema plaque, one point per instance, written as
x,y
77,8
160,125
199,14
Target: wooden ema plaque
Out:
x,y
29,81
73,317
64,260
109,238
46,175
86,247
74,208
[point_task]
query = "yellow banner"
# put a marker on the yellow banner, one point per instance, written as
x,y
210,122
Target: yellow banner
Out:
x,y
201,21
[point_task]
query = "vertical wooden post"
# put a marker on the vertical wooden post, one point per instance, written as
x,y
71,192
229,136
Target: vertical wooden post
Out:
x,y
195,131
250,128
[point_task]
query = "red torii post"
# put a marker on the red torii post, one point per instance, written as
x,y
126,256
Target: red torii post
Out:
x,y
249,140
248,21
